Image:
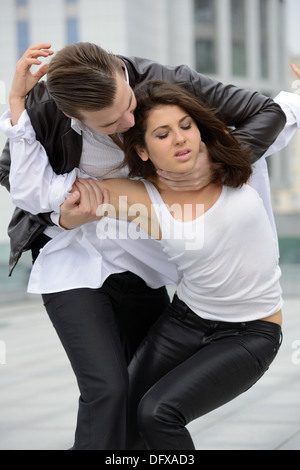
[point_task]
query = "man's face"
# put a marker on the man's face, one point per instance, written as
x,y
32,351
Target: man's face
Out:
x,y
119,117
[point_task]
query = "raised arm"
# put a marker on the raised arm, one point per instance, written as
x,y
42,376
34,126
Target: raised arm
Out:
x,y
33,185
290,104
23,82
258,119
25,170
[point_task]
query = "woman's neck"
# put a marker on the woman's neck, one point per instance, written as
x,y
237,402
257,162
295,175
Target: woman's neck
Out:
x,y
163,187
206,197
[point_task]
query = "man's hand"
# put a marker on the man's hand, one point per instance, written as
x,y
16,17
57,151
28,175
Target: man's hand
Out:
x,y
197,178
81,206
24,80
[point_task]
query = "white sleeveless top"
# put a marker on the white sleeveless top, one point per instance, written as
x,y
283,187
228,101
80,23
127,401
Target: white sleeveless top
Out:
x,y
228,256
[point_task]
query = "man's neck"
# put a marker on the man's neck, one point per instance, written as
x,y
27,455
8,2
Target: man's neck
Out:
x,y
116,139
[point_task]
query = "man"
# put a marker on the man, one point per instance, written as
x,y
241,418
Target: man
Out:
x,y
77,116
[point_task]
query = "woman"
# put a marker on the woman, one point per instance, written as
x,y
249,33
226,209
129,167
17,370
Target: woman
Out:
x,y
223,329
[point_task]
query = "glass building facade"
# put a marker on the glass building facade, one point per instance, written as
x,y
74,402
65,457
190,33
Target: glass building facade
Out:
x,y
234,41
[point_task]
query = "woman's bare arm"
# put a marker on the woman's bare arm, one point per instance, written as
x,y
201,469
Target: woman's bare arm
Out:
x,y
116,198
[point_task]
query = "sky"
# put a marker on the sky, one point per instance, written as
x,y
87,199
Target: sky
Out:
x,y
293,26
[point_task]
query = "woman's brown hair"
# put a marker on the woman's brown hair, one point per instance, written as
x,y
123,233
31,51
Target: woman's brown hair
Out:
x,y
82,76
231,162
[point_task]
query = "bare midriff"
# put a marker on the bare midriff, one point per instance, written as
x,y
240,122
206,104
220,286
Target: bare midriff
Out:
x,y
275,318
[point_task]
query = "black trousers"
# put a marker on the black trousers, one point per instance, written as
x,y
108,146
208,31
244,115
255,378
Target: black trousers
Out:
x,y
100,330
187,367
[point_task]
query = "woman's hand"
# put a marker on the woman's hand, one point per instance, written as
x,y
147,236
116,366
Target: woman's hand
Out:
x,y
24,80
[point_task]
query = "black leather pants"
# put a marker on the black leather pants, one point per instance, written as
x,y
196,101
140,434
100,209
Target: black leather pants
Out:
x,y
188,367
100,330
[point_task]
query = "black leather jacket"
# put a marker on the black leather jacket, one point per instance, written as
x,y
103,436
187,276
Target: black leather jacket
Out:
x,y
258,121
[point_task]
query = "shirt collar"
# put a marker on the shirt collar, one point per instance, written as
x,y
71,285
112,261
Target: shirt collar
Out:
x,y
75,124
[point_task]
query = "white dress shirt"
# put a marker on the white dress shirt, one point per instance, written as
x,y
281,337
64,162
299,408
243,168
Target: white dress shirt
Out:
x,y
81,257
85,257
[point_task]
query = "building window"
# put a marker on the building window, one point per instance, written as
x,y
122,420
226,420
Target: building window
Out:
x,y
205,11
238,28
205,56
22,27
206,36
72,22
264,43
72,30
23,36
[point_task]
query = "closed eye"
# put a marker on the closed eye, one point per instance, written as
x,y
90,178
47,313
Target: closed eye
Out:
x,y
161,137
187,127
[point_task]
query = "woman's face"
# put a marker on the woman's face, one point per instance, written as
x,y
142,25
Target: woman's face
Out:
x,y
172,139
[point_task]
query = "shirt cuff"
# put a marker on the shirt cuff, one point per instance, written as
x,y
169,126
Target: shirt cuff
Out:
x,y
60,190
22,130
290,104
54,216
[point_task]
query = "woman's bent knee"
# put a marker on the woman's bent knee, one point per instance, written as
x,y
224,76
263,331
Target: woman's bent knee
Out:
x,y
155,415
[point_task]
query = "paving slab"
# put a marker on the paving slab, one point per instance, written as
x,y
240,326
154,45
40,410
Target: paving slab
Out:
x,y
39,393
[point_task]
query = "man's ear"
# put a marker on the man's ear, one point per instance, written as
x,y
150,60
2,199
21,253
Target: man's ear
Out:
x,y
142,153
71,117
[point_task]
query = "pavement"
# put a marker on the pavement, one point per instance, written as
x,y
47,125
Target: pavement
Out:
x,y
39,394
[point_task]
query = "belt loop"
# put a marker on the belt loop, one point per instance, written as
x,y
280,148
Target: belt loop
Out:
x,y
180,309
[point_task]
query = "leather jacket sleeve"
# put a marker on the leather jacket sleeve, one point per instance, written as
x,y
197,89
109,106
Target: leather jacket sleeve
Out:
x,y
257,119
5,166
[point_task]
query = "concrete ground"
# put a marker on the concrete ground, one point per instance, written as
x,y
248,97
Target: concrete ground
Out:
x,y
38,392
